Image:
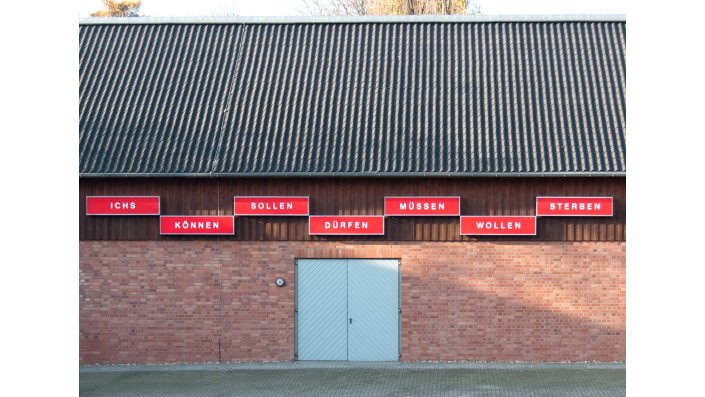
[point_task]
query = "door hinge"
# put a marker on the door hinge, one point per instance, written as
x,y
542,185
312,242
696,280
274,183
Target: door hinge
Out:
x,y
400,311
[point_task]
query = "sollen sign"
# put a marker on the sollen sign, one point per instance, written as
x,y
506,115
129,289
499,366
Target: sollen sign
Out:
x,y
573,206
201,225
122,205
346,225
498,225
422,206
271,206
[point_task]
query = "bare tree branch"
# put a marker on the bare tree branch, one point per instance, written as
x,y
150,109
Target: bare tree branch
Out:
x,y
388,7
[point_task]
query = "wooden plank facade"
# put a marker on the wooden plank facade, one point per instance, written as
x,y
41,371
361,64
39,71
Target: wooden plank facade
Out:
x,y
355,196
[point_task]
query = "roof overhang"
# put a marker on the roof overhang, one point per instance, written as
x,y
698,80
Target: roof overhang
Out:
x,y
361,175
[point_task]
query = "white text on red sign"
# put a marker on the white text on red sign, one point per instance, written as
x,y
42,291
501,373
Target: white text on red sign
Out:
x,y
122,205
422,206
498,225
271,206
203,225
346,225
574,206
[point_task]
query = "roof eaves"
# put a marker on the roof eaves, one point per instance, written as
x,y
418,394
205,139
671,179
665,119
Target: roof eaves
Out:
x,y
355,174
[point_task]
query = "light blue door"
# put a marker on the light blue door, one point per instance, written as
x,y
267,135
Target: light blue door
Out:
x,y
373,310
322,294
348,309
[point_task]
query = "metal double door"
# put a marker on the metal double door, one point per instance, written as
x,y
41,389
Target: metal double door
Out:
x,y
347,309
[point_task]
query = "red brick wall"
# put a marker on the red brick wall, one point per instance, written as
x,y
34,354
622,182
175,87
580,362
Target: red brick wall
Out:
x,y
210,301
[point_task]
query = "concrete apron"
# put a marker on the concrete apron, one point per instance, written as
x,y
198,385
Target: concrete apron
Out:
x,y
358,379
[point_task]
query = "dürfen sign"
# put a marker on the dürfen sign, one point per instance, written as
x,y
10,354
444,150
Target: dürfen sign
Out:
x,y
346,225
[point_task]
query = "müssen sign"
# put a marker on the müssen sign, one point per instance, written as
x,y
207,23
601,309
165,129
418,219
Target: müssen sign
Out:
x,y
422,206
346,225
202,225
498,225
122,205
573,206
271,206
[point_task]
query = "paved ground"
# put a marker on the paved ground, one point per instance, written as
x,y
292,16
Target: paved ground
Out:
x,y
356,379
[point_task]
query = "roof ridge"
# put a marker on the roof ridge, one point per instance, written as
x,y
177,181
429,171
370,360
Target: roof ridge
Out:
x,y
353,19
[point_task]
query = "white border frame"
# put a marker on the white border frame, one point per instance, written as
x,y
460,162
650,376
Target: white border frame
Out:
x,y
422,197
536,225
536,209
308,205
195,234
159,206
347,234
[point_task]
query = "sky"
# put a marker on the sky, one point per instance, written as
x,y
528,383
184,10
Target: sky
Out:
x,y
171,8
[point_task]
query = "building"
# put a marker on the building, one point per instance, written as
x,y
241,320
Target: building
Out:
x,y
290,119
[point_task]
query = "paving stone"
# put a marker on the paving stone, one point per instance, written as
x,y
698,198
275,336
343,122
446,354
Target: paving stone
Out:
x,y
356,379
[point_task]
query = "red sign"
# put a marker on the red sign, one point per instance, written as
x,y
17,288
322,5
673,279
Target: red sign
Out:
x,y
573,206
498,225
206,225
346,225
122,205
422,206
271,206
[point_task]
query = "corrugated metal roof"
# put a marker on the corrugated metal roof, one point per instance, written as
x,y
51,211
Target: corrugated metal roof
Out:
x,y
396,98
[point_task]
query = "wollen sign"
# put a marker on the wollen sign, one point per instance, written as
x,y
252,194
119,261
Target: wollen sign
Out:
x,y
346,225
122,205
498,225
202,225
422,206
271,206
573,206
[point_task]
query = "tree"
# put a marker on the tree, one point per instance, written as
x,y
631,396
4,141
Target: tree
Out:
x,y
474,9
390,7
119,8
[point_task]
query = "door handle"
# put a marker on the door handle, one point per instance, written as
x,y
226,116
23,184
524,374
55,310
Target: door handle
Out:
x,y
351,321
